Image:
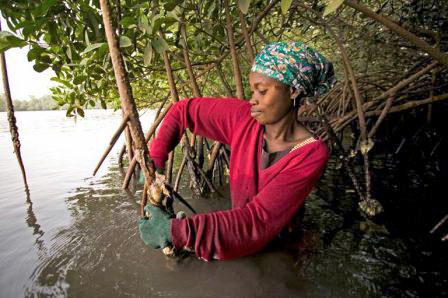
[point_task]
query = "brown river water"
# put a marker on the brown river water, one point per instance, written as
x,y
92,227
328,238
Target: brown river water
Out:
x,y
77,236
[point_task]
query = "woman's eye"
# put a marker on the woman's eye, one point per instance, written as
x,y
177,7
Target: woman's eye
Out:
x,y
262,92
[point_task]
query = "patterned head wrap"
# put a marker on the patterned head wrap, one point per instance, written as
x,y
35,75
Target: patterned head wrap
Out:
x,y
297,65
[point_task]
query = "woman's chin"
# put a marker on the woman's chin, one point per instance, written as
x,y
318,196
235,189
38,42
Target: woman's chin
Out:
x,y
259,119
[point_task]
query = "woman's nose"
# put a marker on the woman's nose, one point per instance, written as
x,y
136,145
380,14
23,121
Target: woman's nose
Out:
x,y
253,101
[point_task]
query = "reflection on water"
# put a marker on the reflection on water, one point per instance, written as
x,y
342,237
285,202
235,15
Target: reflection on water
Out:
x,y
91,245
31,221
102,253
59,154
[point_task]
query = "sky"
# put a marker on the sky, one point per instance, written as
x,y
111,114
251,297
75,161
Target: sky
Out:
x,y
24,81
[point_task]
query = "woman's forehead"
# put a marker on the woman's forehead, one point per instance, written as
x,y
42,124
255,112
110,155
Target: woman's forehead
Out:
x,y
256,78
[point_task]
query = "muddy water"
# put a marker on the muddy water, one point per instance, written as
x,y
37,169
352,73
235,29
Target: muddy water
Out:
x,y
77,235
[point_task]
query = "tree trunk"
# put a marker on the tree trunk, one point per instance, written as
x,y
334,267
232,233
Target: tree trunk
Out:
x,y
194,85
148,136
12,119
127,100
250,50
112,142
233,53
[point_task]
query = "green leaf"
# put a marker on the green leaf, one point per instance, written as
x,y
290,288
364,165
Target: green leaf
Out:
x,y
44,7
69,111
148,54
156,23
47,38
102,50
40,67
170,6
103,104
168,21
332,6
244,5
143,24
94,24
128,22
175,14
143,20
80,112
28,30
92,47
125,41
79,79
285,5
145,4
211,9
52,31
86,36
84,62
61,81
69,52
34,53
44,59
145,28
9,40
160,45
72,98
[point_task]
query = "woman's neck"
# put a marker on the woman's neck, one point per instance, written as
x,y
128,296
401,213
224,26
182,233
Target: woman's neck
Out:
x,y
285,132
282,130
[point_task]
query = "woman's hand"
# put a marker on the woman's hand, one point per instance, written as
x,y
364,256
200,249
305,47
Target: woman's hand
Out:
x,y
155,227
157,190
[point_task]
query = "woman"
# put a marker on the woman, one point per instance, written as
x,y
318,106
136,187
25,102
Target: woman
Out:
x,y
274,162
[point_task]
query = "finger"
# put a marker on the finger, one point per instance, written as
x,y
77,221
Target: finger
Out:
x,y
168,251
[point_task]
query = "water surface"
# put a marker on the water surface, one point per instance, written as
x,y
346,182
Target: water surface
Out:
x,y
77,235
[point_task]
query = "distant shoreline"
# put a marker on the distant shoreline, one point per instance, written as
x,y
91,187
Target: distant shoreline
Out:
x,y
43,103
42,110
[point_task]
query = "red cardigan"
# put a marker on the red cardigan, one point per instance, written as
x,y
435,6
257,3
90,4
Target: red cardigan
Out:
x,y
263,200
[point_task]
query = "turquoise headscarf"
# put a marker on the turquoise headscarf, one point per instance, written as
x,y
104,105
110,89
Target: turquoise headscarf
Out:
x,y
297,65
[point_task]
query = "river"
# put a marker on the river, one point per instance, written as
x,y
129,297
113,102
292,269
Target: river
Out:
x,y
76,235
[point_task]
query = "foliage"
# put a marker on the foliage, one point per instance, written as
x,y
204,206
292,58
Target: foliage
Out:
x,y
332,6
9,40
69,37
369,59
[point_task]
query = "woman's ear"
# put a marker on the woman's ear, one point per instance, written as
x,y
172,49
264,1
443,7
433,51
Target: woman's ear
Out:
x,y
294,92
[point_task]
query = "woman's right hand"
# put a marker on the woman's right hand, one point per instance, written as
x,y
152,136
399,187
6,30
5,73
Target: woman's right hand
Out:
x,y
157,189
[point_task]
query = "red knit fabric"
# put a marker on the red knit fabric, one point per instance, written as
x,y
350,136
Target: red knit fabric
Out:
x,y
263,200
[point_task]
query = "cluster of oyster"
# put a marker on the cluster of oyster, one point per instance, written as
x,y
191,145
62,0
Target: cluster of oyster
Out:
x,y
157,190
371,207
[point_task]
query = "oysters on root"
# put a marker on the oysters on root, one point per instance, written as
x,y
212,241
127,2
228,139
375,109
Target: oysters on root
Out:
x,y
157,190
371,207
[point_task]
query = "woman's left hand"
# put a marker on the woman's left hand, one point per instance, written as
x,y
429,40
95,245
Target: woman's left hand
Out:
x,y
155,227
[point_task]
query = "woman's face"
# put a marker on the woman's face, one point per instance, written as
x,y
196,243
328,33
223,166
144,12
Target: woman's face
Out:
x,y
271,100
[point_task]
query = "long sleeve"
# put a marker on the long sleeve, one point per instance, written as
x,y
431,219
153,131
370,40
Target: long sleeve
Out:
x,y
207,117
246,230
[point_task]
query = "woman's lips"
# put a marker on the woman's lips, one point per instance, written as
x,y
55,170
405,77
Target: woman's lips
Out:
x,y
254,113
